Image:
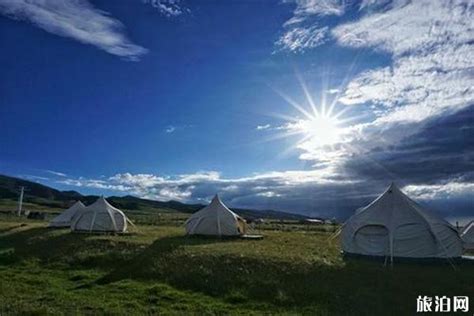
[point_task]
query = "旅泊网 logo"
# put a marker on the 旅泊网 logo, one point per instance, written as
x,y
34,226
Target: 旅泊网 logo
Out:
x,y
442,304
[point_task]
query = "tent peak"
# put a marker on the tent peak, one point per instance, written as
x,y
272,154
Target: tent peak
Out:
x,y
101,200
393,187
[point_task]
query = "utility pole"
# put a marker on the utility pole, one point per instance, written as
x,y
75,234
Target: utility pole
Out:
x,y
20,200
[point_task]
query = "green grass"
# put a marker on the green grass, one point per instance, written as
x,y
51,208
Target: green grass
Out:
x,y
11,206
156,270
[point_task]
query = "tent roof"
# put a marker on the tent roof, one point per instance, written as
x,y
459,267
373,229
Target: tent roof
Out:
x,y
66,216
217,205
468,231
76,205
394,196
101,204
468,227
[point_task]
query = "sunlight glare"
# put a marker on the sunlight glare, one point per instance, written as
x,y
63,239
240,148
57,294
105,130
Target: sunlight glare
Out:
x,y
320,126
323,130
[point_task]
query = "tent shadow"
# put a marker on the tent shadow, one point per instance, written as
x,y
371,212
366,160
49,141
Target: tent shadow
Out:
x,y
39,243
145,264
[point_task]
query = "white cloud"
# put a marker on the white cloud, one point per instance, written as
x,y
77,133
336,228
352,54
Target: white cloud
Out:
x,y
174,128
301,33
302,38
263,127
140,180
373,4
243,191
93,183
76,19
446,190
34,178
268,194
411,27
198,177
170,129
431,44
56,173
169,193
170,8
307,8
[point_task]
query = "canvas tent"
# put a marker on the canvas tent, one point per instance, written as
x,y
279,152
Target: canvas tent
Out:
x,y
65,218
394,226
100,217
467,236
216,220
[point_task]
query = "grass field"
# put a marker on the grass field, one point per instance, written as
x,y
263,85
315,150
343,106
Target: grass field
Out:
x,y
157,270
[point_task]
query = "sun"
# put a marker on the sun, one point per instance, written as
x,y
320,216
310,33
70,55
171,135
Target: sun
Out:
x,y
318,123
321,129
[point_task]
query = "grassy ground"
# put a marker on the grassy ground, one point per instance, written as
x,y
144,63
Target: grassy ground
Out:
x,y
7,205
157,270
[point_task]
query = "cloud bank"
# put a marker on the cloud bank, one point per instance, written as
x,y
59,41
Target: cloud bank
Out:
x,y
288,190
431,45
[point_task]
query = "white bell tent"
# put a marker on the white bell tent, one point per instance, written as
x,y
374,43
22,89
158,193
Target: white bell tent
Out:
x,y
216,220
467,236
393,225
100,216
65,218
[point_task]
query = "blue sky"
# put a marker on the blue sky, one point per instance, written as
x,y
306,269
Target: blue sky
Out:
x,y
169,99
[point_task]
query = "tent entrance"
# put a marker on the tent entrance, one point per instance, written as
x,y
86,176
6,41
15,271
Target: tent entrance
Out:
x,y
373,240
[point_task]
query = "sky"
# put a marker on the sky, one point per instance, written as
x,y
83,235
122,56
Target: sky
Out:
x,y
306,106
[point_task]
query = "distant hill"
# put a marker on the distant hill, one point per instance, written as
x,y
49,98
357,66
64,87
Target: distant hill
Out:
x,y
9,189
45,196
